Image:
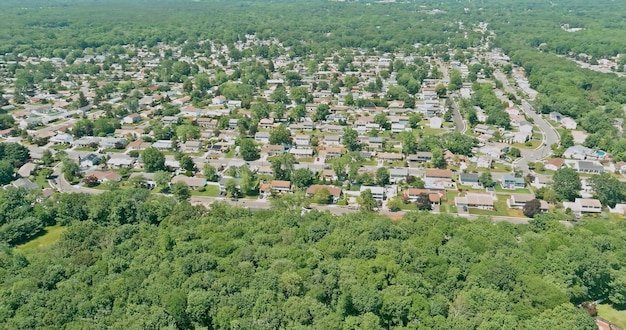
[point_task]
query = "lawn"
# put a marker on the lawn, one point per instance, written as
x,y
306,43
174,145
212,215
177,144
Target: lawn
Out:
x,y
501,168
210,191
85,149
41,181
60,146
512,191
51,235
448,208
501,208
615,315
107,150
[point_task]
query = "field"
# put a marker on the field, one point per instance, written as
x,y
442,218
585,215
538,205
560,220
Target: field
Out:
x,y
610,313
51,235
211,191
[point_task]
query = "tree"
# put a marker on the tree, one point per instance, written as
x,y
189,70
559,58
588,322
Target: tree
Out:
x,y
382,176
409,145
47,158
321,196
608,189
210,172
437,160
46,172
350,139
15,153
82,100
302,178
367,201
91,181
566,184
181,191
6,172
321,112
567,140
153,160
531,208
423,202
280,135
248,149
186,163
232,188
514,153
486,180
456,80
441,90
395,204
382,120
162,178
70,169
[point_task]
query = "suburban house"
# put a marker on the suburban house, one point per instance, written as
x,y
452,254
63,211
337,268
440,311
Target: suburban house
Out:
x,y
262,137
553,164
583,166
511,182
104,176
139,145
191,146
90,160
302,140
191,182
378,193
26,170
398,174
568,123
335,192
577,152
389,157
584,205
484,161
517,201
120,162
277,186
420,157
470,179
272,150
208,123
162,144
131,119
541,181
437,178
475,200
332,140
412,194
25,183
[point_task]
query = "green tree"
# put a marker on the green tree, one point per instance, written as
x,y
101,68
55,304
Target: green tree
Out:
x,y
608,189
437,160
350,139
367,201
409,144
210,172
181,191
280,135
382,176
322,196
153,160
162,178
486,179
248,149
6,172
531,208
566,184
186,163
70,169
302,178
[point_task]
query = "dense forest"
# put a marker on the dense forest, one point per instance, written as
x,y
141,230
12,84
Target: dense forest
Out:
x,y
132,261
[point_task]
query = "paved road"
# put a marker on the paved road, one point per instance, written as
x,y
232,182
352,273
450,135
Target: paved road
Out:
x,y
550,135
459,124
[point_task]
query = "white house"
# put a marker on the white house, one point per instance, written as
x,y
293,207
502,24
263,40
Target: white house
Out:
x,y
568,123
435,122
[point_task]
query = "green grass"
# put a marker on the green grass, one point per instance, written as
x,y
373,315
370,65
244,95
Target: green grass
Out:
x,y
60,146
615,315
85,149
51,235
41,181
210,191
499,189
501,168
409,207
114,150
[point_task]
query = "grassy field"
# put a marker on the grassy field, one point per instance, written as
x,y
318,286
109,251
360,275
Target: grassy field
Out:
x,y
41,181
609,312
51,235
211,191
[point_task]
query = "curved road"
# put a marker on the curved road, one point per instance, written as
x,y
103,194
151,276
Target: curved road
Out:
x,y
550,134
